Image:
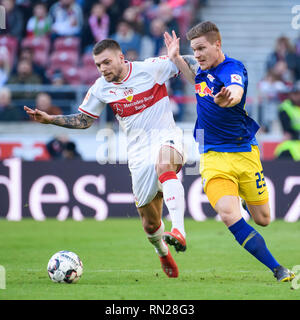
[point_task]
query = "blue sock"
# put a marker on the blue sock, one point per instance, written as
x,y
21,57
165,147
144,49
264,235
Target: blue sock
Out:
x,y
253,242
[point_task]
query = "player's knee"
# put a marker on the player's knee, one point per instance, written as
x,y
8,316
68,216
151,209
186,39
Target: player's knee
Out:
x,y
226,218
226,214
162,168
263,220
150,223
150,227
261,215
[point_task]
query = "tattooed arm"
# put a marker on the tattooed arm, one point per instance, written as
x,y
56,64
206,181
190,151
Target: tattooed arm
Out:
x,y
72,121
192,63
188,65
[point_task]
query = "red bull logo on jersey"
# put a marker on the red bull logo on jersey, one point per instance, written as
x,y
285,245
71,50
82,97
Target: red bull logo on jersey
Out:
x,y
203,90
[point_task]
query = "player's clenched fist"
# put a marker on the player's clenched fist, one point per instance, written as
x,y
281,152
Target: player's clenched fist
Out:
x,y
38,115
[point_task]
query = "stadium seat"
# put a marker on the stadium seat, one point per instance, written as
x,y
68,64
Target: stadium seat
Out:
x,y
36,43
11,44
41,57
88,60
89,74
59,59
67,44
183,20
6,56
72,75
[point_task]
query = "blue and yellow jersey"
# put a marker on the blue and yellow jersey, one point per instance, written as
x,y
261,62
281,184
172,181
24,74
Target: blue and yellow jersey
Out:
x,y
223,129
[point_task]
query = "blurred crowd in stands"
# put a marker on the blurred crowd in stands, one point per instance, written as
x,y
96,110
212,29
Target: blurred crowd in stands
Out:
x,y
61,148
279,96
50,43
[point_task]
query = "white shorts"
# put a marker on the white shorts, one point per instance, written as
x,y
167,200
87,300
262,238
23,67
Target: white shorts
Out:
x,y
145,183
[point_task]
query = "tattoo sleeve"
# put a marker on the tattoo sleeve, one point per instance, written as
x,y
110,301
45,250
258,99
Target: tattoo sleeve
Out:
x,y
73,121
191,62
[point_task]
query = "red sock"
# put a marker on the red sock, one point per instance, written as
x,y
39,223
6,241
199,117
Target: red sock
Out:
x,y
167,176
173,193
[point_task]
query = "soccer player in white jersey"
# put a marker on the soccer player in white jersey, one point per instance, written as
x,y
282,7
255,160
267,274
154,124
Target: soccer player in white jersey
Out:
x,y
137,94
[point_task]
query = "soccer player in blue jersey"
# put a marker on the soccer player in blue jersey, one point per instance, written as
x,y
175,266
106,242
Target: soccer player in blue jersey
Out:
x,y
230,163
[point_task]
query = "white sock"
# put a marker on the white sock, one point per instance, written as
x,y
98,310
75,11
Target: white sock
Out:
x,y
173,193
157,241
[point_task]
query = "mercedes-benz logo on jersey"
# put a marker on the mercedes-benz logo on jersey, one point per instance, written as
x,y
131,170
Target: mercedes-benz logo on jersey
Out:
x,y
118,108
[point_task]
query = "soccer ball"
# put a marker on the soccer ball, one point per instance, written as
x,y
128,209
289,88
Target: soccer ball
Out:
x,y
65,266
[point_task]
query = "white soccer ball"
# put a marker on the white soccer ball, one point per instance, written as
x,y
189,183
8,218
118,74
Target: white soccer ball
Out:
x,y
65,266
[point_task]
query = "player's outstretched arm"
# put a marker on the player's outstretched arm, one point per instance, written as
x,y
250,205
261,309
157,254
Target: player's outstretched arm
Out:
x,y
72,121
229,96
188,65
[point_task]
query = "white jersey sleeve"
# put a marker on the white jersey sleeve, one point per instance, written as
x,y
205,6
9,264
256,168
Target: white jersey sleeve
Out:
x,y
162,68
91,105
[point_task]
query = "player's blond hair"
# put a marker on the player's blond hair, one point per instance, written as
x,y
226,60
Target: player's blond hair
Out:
x,y
207,29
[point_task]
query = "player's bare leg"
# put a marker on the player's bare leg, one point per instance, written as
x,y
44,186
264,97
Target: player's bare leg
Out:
x,y
154,227
169,162
228,207
151,214
260,213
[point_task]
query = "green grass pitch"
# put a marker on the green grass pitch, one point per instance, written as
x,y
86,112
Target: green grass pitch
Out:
x,y
120,263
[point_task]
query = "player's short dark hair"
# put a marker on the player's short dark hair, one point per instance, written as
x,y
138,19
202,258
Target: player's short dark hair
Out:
x,y
207,29
106,44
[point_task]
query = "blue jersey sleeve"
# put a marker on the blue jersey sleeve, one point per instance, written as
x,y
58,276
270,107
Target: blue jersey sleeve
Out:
x,y
233,73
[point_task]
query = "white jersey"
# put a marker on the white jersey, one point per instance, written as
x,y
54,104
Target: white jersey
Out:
x,y
141,104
